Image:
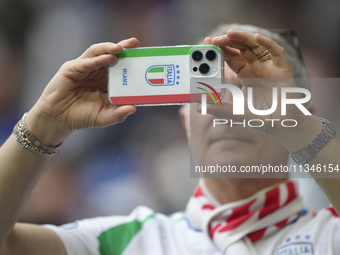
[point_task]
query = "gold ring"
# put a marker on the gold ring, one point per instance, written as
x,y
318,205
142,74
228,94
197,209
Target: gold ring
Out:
x,y
262,54
265,57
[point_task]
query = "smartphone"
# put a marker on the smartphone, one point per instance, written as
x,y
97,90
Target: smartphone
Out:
x,y
162,75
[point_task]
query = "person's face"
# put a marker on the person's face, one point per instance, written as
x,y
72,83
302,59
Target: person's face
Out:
x,y
224,145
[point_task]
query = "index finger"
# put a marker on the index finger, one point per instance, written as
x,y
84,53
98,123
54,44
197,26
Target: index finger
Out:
x,y
101,49
129,43
109,48
247,38
275,49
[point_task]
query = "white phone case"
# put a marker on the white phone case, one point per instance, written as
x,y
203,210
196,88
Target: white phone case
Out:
x,y
162,75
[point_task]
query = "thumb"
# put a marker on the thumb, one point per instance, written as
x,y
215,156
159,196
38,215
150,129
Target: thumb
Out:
x,y
113,115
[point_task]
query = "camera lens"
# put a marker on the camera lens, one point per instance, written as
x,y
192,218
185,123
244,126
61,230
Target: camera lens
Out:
x,y
197,55
210,55
204,68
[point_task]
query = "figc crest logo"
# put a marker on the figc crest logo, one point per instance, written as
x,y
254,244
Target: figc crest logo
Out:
x,y
162,75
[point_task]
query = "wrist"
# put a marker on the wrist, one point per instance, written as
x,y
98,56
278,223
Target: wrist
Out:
x,y
296,138
48,131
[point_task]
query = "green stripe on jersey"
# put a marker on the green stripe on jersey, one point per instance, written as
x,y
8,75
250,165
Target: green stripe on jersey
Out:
x,y
115,240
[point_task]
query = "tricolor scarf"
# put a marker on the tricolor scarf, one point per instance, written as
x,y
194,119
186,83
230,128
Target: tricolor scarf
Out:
x,y
251,219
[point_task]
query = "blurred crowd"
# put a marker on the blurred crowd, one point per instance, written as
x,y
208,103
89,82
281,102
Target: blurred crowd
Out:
x,y
144,160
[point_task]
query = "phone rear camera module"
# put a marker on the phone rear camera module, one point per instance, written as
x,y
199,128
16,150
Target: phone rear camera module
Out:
x,y
197,55
195,69
210,55
204,68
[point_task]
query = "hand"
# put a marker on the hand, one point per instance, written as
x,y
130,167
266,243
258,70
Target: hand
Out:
x,y
76,97
240,50
240,53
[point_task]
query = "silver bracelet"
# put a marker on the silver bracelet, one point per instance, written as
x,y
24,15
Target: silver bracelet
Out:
x,y
26,140
325,135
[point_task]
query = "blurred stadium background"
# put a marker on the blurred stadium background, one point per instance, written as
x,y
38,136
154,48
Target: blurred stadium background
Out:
x,y
144,160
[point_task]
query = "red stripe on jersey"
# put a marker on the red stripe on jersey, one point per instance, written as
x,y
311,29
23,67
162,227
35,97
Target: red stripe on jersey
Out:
x,y
235,223
198,192
240,211
282,223
331,209
271,204
213,230
254,236
208,206
291,192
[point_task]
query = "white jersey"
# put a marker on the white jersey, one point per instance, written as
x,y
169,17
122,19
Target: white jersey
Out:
x,y
146,232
